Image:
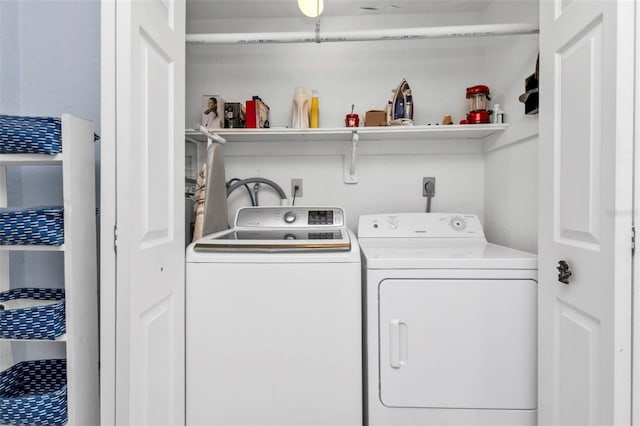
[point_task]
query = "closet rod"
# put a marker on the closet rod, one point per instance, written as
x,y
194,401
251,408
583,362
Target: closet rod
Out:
x,y
458,31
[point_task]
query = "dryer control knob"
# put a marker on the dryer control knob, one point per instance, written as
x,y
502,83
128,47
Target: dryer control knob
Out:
x,y
290,217
458,223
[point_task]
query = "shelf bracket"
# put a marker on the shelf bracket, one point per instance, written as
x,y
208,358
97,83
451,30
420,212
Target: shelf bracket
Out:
x,y
350,172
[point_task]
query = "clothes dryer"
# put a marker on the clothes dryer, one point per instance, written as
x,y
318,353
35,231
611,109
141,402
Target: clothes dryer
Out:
x,y
450,323
274,321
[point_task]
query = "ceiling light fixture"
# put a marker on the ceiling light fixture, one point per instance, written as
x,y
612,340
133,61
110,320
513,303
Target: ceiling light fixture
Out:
x,y
311,8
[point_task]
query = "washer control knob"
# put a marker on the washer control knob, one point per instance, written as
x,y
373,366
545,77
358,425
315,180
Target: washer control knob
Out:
x,y
289,237
458,223
290,217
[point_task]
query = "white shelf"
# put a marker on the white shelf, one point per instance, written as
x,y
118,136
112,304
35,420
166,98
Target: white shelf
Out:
x,y
15,247
30,159
438,132
59,339
352,142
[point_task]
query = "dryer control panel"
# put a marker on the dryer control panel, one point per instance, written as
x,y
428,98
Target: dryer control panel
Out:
x,y
420,225
289,217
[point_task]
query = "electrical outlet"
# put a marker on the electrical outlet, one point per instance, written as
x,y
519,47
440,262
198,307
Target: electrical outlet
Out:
x,y
428,186
296,182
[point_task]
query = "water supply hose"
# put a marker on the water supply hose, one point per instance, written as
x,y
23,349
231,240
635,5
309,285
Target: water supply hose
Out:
x,y
272,184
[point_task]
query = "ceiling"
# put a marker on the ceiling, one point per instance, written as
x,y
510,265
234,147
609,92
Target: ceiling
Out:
x,y
256,9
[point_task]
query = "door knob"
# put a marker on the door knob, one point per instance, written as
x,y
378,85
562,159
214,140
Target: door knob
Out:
x,y
563,272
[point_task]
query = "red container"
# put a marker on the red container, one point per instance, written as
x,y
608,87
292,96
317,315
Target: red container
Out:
x,y
352,120
257,114
478,117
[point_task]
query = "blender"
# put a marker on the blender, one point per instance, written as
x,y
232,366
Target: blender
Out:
x,y
478,100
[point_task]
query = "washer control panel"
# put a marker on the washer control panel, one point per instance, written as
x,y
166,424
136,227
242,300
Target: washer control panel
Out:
x,y
285,217
420,225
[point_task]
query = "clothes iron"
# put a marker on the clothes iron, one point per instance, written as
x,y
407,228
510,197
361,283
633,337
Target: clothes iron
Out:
x,y
402,105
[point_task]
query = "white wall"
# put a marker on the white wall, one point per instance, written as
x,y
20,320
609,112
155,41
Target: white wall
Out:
x,y
387,183
363,73
511,185
349,73
50,65
360,73
9,63
511,159
50,57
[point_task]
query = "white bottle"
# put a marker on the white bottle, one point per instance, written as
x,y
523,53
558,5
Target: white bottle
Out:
x,y
300,109
498,114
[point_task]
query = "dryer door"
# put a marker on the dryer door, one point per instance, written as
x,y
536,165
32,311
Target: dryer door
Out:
x,y
458,343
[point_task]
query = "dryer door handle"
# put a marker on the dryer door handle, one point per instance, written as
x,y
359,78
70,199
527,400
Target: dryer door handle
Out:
x,y
398,343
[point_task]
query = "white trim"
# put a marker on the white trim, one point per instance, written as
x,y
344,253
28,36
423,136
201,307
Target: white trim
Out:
x,y
80,268
635,350
107,217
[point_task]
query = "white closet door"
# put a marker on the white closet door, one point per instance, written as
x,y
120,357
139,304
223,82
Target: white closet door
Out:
x,y
586,146
149,261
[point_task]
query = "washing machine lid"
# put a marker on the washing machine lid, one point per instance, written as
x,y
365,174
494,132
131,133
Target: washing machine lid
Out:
x,y
273,240
281,229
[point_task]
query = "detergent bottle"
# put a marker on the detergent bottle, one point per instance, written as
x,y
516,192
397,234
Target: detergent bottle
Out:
x,y
300,109
314,112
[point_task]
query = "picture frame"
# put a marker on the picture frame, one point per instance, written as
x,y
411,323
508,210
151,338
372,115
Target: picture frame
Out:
x,y
212,111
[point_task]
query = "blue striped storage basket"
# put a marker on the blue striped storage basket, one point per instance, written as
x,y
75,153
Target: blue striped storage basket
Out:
x,y
34,393
37,322
36,225
30,135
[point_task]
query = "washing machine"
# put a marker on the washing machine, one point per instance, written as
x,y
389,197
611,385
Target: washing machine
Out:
x,y
450,323
274,321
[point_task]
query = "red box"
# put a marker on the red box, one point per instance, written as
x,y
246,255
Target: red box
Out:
x,y
257,114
